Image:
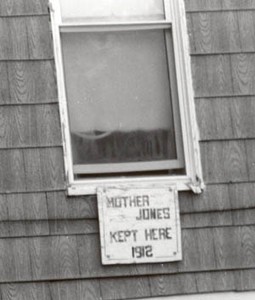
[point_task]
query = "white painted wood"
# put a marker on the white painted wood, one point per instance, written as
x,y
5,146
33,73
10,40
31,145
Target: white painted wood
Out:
x,y
175,16
174,94
139,225
55,21
90,186
127,167
104,10
186,96
167,8
99,27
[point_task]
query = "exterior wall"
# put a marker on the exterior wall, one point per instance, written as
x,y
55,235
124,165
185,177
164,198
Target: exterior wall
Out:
x,y
49,243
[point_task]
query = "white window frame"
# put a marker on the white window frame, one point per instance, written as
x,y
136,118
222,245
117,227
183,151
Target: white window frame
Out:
x,y
175,19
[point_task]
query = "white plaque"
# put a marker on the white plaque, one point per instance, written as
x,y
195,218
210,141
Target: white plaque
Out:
x,y
139,225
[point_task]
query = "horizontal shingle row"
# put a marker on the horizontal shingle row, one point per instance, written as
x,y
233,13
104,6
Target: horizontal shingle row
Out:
x,y
52,206
210,5
131,288
73,257
57,227
23,7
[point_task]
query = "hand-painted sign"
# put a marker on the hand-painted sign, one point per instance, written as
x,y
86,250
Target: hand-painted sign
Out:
x,y
139,225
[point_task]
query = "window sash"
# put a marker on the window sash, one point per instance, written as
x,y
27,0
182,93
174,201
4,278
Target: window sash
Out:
x,y
129,26
175,17
152,165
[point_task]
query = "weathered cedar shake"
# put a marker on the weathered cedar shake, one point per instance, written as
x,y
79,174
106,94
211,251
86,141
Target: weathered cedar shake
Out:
x,y
49,243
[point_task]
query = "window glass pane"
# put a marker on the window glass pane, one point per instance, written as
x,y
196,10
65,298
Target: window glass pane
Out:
x,y
111,10
118,93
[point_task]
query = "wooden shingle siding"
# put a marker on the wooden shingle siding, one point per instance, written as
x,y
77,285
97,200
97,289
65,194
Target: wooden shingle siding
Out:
x,y
218,5
80,290
31,170
17,43
26,207
246,215
107,289
237,4
201,282
224,75
246,280
39,38
15,263
220,197
25,38
243,72
246,29
38,214
55,205
13,43
222,119
200,5
23,207
211,219
4,83
250,144
221,32
215,118
212,75
70,256
225,161
44,169
128,288
23,7
215,32
39,228
13,177
54,257
29,126
69,227
31,82
173,285
24,291
25,228
226,118
49,243
61,207
45,206
45,227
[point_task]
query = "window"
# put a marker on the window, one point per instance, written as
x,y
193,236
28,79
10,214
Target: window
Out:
x,y
125,94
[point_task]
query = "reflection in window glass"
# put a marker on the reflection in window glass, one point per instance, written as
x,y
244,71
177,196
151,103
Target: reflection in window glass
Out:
x,y
118,93
111,10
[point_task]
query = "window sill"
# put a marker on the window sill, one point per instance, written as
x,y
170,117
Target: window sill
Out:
x,y
89,187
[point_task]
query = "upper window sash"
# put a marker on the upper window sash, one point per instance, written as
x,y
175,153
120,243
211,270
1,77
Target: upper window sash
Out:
x,y
70,24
